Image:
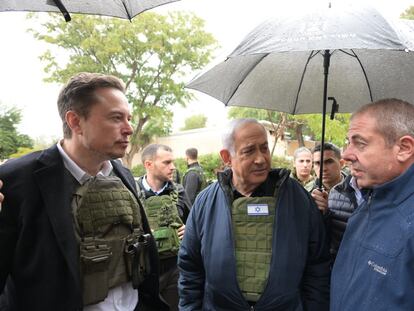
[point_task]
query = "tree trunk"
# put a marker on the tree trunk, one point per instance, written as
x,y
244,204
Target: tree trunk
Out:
x,y
299,135
134,143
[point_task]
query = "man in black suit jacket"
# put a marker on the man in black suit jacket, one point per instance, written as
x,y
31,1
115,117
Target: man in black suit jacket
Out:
x,y
39,251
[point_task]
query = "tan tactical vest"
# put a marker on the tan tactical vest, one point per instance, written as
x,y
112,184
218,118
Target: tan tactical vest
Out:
x,y
253,220
164,220
109,232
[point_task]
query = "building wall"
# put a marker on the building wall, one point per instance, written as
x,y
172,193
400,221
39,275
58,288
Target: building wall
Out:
x,y
206,140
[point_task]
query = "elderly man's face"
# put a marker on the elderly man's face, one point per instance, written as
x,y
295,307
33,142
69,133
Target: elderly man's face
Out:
x,y
372,161
251,162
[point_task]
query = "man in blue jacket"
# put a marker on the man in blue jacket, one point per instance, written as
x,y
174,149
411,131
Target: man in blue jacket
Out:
x,y
254,239
374,266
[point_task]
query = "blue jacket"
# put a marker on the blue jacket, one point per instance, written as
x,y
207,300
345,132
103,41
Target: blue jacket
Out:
x,y
374,269
299,272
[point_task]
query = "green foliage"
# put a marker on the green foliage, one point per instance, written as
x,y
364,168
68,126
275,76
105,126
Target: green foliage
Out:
x,y
21,151
138,170
408,13
211,164
255,113
152,54
10,139
281,162
195,122
335,130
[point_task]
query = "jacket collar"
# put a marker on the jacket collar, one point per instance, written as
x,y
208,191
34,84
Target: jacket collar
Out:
x,y
398,189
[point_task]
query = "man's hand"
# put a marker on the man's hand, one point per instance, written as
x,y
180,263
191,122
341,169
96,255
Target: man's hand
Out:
x,y
321,199
180,232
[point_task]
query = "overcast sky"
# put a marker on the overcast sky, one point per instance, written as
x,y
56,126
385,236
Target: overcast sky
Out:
x,y
21,72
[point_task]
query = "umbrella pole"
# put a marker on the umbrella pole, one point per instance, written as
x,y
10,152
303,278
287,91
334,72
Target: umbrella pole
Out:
x,y
326,61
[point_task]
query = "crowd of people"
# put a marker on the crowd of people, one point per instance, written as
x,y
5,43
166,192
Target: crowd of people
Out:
x,y
79,232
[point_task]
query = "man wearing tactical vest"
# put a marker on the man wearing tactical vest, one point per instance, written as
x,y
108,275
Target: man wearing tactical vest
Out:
x,y
167,207
73,233
193,180
254,239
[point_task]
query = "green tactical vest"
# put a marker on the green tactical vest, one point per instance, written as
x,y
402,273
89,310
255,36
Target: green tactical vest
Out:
x,y
253,220
111,240
164,220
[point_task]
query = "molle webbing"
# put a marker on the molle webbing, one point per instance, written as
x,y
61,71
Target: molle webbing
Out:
x,y
162,210
108,203
109,231
164,220
253,242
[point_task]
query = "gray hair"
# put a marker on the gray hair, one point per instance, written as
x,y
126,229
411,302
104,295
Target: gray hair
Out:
x,y
151,150
299,151
228,135
394,118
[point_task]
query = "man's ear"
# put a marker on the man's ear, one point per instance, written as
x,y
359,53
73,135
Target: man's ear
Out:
x,y
342,162
406,148
226,157
73,121
147,164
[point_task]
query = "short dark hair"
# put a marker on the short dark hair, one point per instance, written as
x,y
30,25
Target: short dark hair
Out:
x,y
192,153
394,118
328,147
79,94
150,151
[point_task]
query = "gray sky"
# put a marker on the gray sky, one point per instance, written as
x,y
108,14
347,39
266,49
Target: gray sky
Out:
x,y
229,21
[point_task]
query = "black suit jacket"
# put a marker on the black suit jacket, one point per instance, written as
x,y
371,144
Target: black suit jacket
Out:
x,y
38,249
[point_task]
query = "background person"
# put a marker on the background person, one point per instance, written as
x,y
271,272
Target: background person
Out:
x,y
373,269
302,166
61,244
331,175
167,207
255,238
193,180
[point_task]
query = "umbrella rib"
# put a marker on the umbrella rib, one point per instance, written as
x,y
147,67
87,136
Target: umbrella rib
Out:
x,y
126,10
311,55
353,54
242,79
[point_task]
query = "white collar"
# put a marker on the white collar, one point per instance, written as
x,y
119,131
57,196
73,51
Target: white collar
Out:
x,y
358,194
80,175
147,187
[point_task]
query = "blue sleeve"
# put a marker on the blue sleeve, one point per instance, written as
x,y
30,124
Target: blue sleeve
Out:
x,y
192,274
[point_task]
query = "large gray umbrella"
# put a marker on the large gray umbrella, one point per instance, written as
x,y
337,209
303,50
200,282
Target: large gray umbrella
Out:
x,y
284,63
126,9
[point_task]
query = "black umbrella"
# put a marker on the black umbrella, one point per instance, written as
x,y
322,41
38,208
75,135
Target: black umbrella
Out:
x,y
126,9
285,63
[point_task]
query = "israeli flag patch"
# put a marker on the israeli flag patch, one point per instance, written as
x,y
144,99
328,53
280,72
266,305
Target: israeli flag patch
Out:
x,y
257,209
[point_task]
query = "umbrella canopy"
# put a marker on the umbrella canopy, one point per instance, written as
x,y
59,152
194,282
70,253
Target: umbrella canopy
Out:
x,y
126,9
285,62
280,64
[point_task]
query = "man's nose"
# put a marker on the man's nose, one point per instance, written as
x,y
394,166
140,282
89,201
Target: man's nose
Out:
x,y
128,129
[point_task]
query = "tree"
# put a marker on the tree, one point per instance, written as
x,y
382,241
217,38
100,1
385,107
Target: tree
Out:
x,y
10,139
196,121
408,13
152,54
335,130
297,125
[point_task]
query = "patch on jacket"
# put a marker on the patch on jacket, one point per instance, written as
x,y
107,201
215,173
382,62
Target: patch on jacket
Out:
x,y
377,268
